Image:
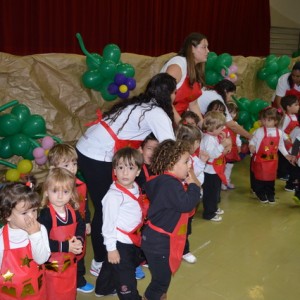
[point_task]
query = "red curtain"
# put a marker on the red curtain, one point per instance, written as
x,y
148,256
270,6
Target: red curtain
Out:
x,y
148,27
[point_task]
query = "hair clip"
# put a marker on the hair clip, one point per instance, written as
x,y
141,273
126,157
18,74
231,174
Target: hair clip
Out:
x,y
29,184
279,110
185,122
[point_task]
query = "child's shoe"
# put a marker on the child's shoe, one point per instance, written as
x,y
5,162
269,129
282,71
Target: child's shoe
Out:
x,y
223,187
113,293
87,288
95,267
139,273
220,211
230,186
189,257
216,218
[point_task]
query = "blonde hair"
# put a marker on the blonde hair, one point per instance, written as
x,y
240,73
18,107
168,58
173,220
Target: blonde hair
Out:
x,y
60,178
61,153
213,120
188,133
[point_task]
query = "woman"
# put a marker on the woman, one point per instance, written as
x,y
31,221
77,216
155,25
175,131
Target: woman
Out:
x,y
288,84
188,70
126,123
222,91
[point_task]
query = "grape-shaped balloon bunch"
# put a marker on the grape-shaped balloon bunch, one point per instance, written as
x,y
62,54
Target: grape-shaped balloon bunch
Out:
x,y
107,73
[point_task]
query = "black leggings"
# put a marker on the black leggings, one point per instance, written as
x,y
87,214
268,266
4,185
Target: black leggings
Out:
x,y
98,176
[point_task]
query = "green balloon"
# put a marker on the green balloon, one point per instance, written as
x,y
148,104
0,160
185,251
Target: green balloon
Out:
x,y
262,74
92,78
272,67
94,61
211,60
243,104
112,52
272,81
244,117
20,144
5,148
34,125
284,71
211,77
106,95
22,112
9,125
248,125
270,58
283,62
108,69
223,61
126,69
29,154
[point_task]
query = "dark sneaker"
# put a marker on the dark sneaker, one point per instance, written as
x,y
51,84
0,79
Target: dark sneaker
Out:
x,y
113,293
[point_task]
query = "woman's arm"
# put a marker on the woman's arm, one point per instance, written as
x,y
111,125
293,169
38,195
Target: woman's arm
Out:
x,y
277,101
194,107
235,127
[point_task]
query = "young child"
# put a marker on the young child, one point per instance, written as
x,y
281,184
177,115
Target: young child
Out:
x,y
122,219
24,244
66,231
192,135
65,156
291,128
264,146
217,105
189,117
164,236
217,145
233,155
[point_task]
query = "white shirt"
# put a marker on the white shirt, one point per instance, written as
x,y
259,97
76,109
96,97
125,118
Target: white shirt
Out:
x,y
209,96
119,210
295,133
97,143
258,136
19,238
198,166
283,85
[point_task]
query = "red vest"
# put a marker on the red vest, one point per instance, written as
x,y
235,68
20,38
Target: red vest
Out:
x,y
233,155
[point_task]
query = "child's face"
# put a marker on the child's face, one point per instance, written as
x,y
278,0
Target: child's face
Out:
x,y
58,196
293,109
126,173
190,121
268,122
182,167
148,150
70,165
21,214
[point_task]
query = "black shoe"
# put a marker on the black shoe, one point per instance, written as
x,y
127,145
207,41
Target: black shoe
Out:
x,y
271,199
263,199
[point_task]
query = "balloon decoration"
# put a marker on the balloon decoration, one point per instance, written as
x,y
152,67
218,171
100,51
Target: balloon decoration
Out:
x,y
21,132
273,68
23,167
107,73
219,67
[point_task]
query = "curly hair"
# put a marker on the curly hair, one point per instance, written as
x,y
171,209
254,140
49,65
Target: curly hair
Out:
x,y
158,94
60,178
167,154
13,193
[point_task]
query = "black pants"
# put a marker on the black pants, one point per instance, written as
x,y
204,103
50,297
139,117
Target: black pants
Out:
x,y
211,195
120,277
189,232
80,273
265,190
283,166
98,176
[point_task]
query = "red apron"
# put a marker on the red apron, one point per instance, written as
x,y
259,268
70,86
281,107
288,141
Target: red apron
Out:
x,y
186,94
61,269
219,167
293,123
135,234
21,277
233,155
265,162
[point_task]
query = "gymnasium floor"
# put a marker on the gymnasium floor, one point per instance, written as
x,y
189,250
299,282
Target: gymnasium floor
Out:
x,y
252,254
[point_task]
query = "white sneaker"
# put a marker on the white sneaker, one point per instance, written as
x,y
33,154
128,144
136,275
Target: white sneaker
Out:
x,y
95,267
189,257
220,211
216,218
223,187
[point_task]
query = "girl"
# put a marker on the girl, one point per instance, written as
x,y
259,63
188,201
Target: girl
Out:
x,y
216,145
264,146
192,135
24,244
164,236
126,123
66,230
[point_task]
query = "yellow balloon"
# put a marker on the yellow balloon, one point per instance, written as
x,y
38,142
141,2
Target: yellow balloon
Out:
x,y
257,124
12,175
123,88
24,166
251,130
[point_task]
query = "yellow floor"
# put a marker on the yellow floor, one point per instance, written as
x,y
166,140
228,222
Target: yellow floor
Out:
x,y
252,254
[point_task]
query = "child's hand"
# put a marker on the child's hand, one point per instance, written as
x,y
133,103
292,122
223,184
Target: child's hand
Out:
x,y
204,156
75,245
113,257
88,228
251,148
191,178
226,143
292,159
31,225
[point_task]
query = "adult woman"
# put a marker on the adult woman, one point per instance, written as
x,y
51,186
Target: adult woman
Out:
x,y
222,91
126,123
288,84
187,67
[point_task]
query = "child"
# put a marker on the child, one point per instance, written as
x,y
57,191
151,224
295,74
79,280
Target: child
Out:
x,y
264,146
192,135
122,219
66,230
65,156
189,117
233,155
24,244
217,105
290,126
164,236
216,145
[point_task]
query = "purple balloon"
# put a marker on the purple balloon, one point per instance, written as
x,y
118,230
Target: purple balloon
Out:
x,y
113,89
131,83
120,79
41,161
123,95
38,152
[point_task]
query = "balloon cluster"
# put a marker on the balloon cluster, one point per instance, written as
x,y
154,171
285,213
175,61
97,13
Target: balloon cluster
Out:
x,y
40,153
249,111
273,68
103,72
24,166
219,67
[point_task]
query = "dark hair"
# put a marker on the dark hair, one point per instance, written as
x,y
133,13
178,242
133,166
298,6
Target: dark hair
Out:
x,y
217,105
223,87
194,72
167,154
288,101
149,137
190,114
13,193
270,113
158,94
129,155
296,67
